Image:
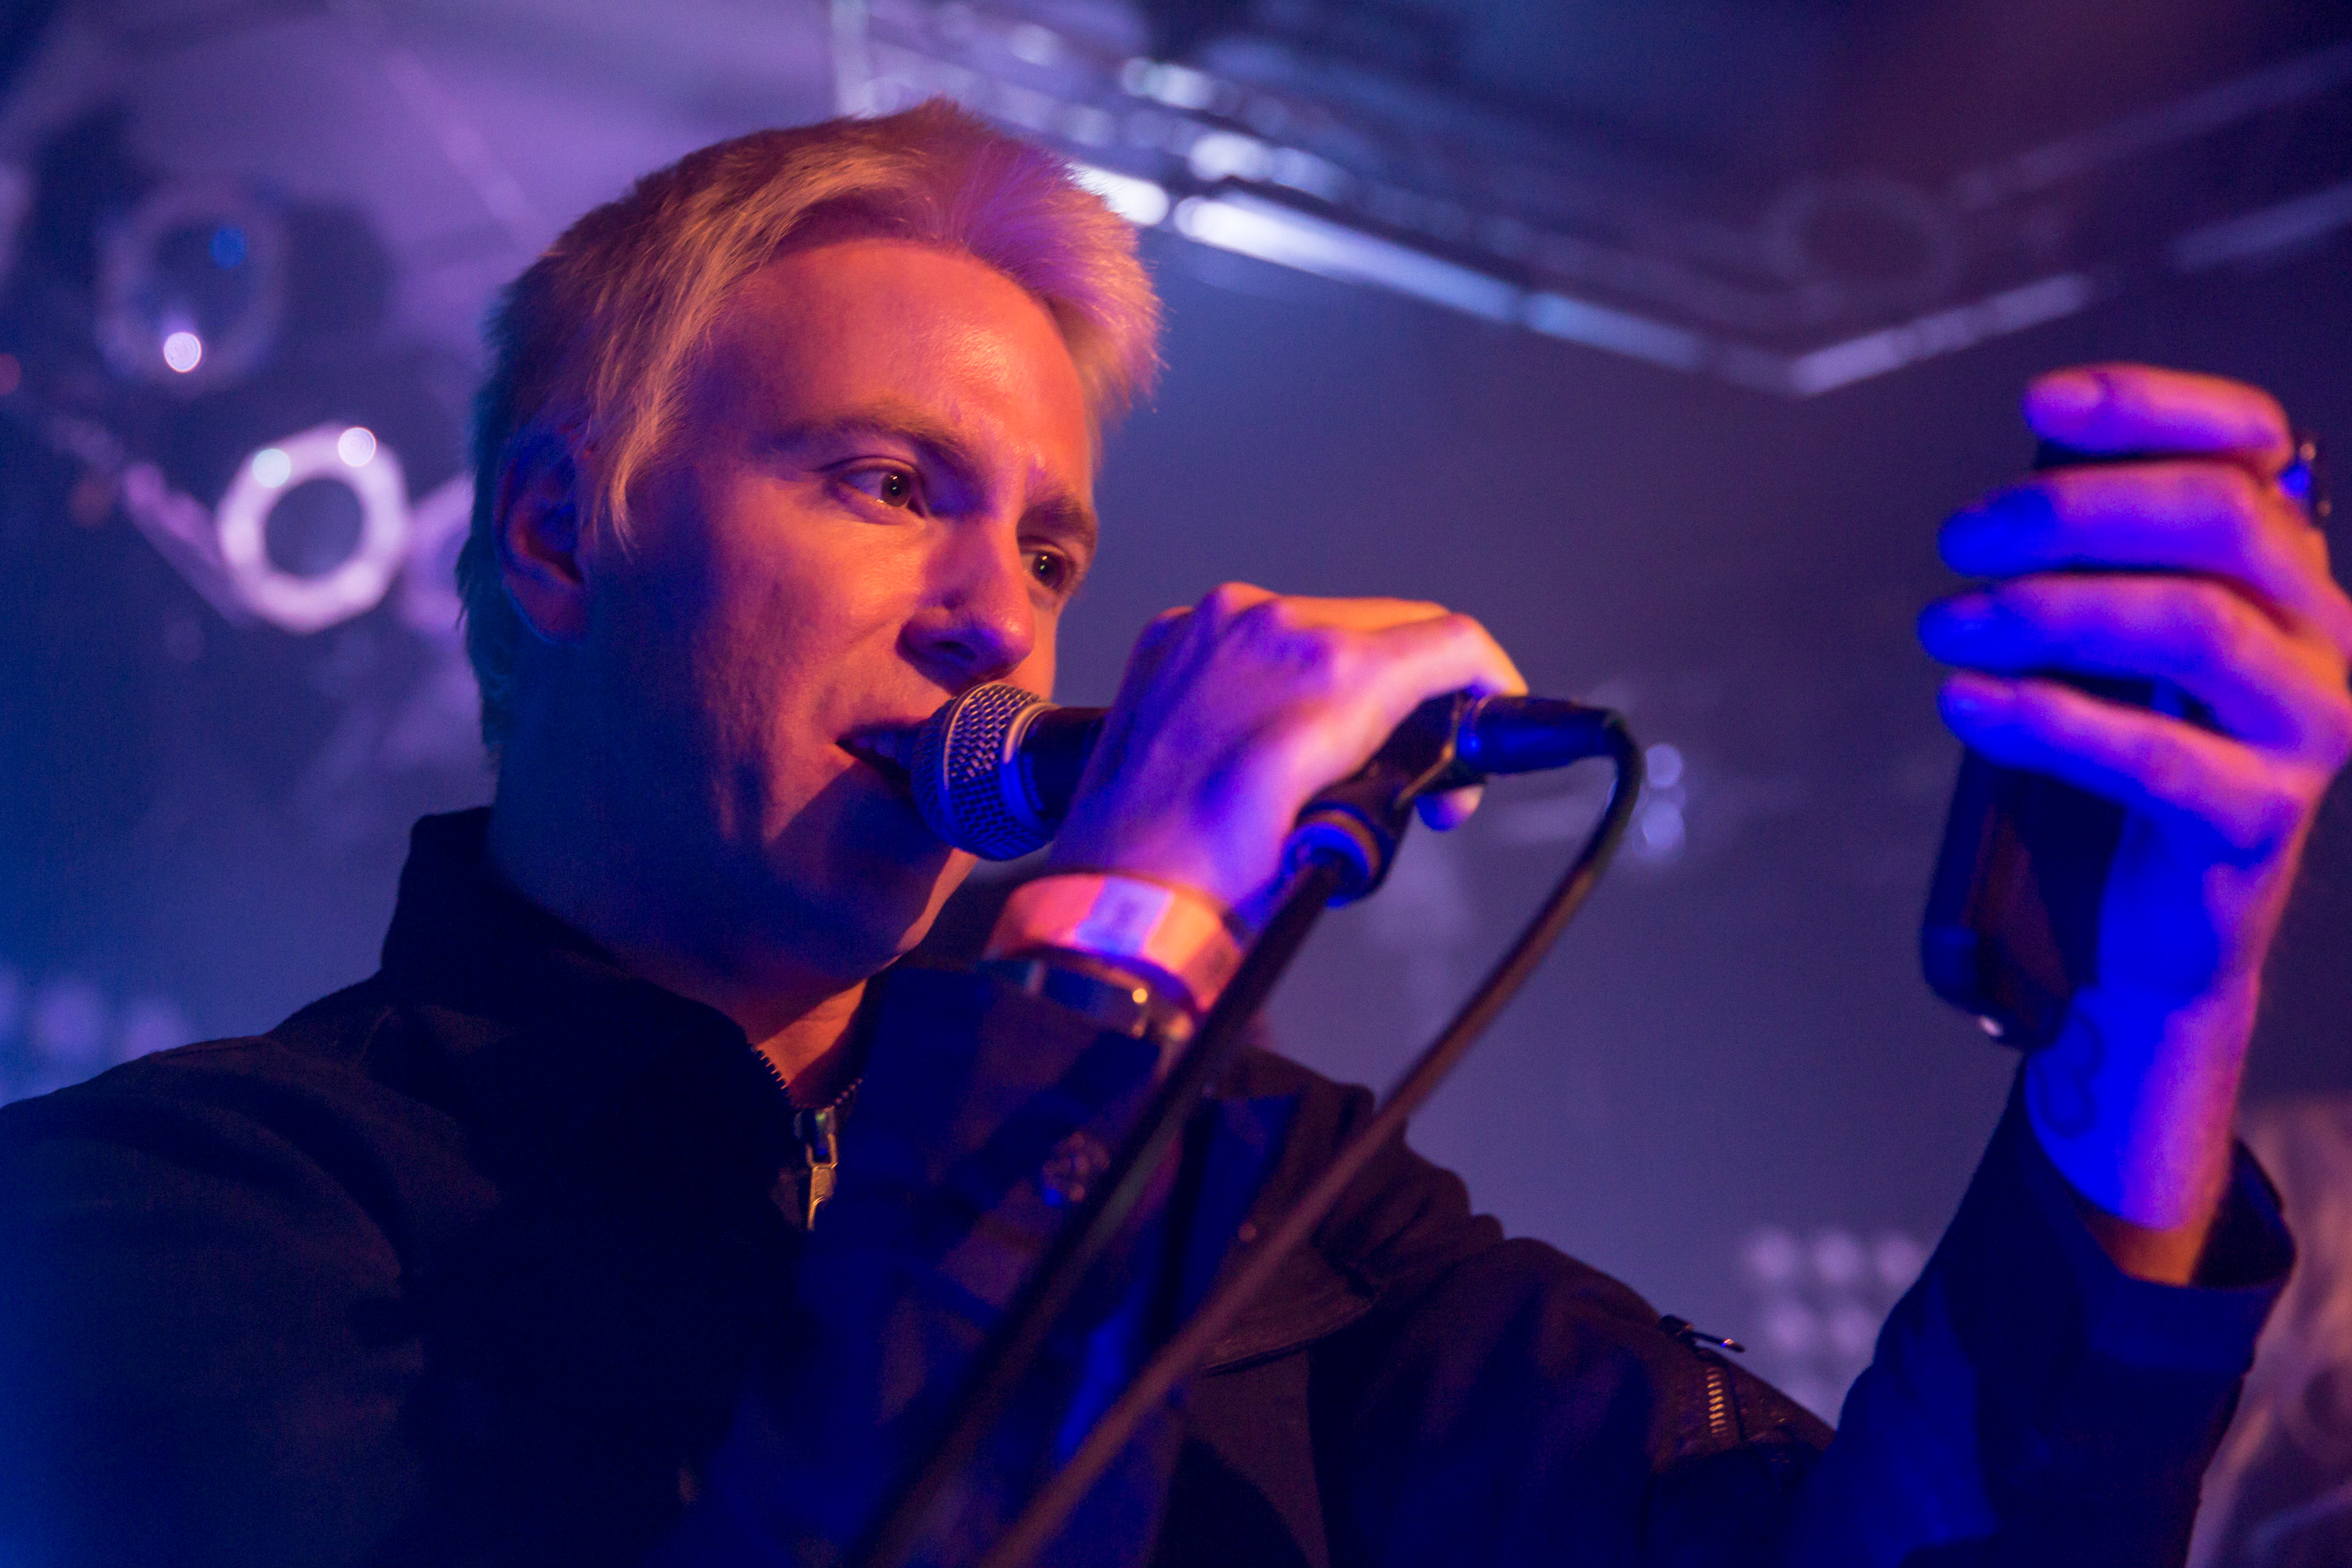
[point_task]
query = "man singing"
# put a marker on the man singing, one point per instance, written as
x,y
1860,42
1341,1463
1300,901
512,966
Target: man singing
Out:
x,y
641,1208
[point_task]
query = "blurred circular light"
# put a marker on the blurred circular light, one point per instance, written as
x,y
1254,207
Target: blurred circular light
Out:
x,y
69,1027
1839,1260
356,447
1659,824
1665,764
1774,1256
191,286
1899,1259
355,584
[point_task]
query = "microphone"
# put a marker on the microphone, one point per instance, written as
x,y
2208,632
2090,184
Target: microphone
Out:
x,y
993,770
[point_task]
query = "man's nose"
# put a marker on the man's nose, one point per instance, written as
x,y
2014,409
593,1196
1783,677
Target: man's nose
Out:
x,y
980,620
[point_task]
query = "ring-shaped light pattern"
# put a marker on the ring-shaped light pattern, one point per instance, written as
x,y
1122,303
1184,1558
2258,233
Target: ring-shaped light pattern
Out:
x,y
353,586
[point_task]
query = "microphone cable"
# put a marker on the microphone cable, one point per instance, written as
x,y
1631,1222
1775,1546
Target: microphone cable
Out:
x,y
1013,1348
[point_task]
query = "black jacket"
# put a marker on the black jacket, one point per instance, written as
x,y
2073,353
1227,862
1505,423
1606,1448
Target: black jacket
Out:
x,y
482,1261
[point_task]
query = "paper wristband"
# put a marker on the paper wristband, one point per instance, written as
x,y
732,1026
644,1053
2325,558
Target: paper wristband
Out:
x,y
1171,930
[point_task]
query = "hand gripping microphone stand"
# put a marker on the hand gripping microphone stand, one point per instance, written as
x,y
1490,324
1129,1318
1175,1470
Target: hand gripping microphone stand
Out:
x,y
1340,851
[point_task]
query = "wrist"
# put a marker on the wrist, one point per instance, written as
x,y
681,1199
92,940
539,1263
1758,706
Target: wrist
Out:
x,y
2135,1102
1178,941
1106,835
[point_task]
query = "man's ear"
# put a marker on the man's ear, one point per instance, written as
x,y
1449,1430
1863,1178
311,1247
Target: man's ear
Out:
x,y
538,534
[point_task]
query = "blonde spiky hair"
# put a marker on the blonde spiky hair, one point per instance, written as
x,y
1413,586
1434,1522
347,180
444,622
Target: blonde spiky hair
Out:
x,y
599,335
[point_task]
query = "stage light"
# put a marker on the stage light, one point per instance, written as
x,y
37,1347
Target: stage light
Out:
x,y
310,603
1664,765
148,1024
1619,331
68,1019
1286,238
2273,229
1940,332
1663,830
1228,155
191,286
1139,202
437,524
1034,44
1179,87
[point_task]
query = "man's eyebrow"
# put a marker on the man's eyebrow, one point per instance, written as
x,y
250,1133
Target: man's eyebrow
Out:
x,y
1059,510
1069,516
891,422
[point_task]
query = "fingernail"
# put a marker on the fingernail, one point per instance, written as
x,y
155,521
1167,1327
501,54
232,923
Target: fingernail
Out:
x,y
2069,395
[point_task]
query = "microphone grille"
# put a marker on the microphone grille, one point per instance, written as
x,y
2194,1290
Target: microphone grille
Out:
x,y
960,773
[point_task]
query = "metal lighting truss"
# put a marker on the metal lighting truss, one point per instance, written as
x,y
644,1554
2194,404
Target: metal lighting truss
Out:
x,y
1381,180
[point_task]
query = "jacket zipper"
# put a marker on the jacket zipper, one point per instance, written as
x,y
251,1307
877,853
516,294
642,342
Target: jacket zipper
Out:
x,y
818,1132
1722,1403
819,1136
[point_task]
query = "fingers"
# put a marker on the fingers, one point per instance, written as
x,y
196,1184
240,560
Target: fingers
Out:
x,y
1400,650
2123,408
2173,771
2262,685
2201,516
1230,599
1332,678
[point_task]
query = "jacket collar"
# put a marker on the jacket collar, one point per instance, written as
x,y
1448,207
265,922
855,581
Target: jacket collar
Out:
x,y
539,1028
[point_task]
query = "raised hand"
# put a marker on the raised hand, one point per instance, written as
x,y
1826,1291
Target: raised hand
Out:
x,y
2190,564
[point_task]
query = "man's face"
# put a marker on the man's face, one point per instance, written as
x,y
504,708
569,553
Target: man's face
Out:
x,y
879,495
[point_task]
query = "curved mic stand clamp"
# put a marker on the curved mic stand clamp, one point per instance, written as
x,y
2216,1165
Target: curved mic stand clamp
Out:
x,y
1356,825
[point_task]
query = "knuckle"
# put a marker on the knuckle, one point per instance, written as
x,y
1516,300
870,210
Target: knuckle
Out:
x,y
1226,601
1327,658
1266,617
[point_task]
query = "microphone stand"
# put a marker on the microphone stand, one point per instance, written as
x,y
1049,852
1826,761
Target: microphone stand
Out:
x,y
1341,850
1006,1358
1189,1349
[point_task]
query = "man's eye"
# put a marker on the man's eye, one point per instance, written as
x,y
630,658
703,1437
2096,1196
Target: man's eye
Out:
x,y
1053,570
891,487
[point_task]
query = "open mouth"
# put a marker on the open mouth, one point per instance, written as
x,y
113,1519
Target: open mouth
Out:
x,y
875,752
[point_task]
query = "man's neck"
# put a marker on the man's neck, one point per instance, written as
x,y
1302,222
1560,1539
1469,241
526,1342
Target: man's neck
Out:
x,y
800,1020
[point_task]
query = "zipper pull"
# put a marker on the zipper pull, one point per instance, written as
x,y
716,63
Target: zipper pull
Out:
x,y
1691,1335
820,1133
